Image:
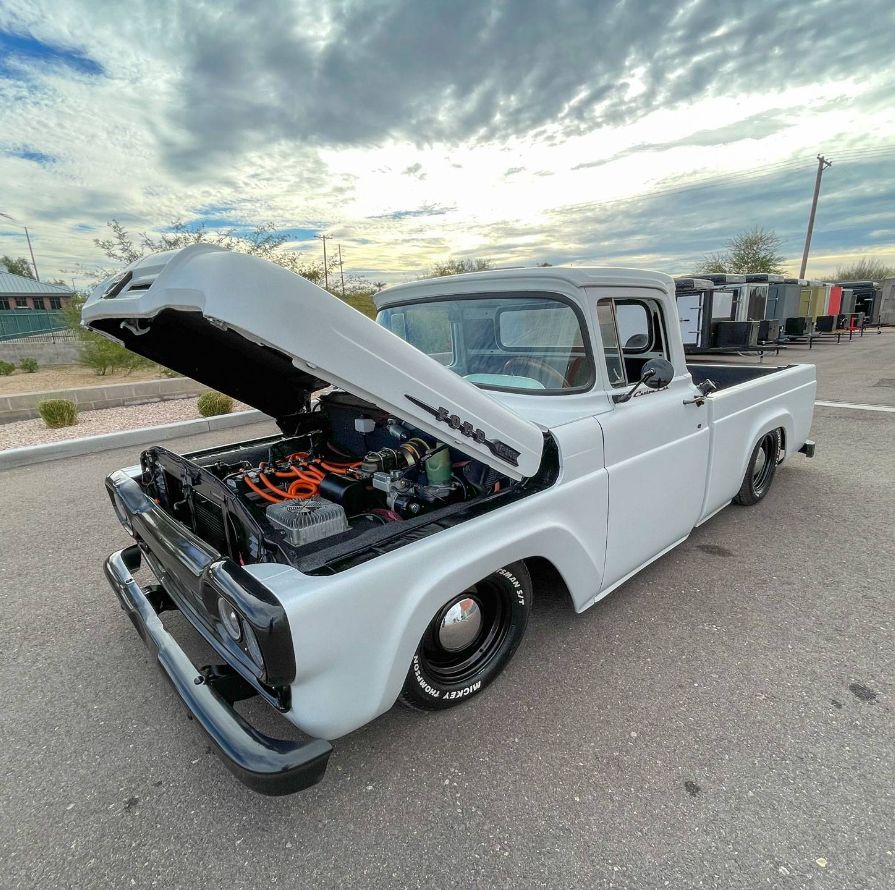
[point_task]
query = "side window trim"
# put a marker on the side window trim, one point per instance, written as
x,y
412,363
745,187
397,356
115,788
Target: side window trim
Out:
x,y
613,349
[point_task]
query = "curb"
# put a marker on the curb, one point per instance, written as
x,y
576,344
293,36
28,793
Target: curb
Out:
x,y
36,454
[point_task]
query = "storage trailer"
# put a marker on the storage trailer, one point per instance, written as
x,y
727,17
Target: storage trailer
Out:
x,y
867,300
730,290
695,305
783,299
887,301
705,312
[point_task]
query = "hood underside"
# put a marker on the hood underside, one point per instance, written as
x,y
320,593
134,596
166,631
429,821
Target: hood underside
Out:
x,y
270,338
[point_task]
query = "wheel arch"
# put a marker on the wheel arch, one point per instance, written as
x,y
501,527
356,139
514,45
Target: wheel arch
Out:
x,y
779,420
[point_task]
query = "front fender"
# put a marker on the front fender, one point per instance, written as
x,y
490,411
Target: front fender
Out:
x,y
355,632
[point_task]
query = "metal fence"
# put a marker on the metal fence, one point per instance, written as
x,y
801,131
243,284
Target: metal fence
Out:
x,y
17,323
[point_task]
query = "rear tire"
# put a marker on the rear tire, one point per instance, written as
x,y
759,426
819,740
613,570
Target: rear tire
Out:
x,y
760,471
469,641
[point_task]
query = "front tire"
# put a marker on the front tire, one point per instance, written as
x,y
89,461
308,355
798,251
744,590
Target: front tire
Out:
x,y
760,471
469,640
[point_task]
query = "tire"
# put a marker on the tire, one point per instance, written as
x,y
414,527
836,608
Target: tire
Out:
x,y
454,661
760,471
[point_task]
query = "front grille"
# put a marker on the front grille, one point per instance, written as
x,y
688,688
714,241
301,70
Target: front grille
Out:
x,y
209,523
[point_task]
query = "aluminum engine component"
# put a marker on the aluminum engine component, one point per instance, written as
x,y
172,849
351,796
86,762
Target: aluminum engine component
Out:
x,y
309,520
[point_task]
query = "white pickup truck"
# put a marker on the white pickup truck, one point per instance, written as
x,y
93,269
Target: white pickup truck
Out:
x,y
376,549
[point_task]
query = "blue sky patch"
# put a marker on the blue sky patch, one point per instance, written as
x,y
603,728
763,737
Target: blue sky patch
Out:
x,y
24,48
298,234
29,154
412,214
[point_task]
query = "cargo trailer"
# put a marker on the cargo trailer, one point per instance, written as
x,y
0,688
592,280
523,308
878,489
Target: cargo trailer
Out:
x,y
866,298
697,309
887,301
730,291
783,299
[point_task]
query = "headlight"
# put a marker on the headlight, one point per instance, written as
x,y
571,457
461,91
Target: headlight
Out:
x,y
252,647
121,513
230,619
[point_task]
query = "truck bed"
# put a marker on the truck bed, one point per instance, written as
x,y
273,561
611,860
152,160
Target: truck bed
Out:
x,y
749,402
725,376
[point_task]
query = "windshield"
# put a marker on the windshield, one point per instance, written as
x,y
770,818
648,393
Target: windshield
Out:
x,y
524,342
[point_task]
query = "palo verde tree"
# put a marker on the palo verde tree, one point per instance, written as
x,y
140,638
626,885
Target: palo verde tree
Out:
x,y
755,250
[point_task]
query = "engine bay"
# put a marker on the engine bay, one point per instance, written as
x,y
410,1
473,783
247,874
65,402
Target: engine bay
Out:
x,y
343,472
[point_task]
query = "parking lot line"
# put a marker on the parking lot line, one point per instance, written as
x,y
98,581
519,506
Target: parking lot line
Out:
x,y
888,409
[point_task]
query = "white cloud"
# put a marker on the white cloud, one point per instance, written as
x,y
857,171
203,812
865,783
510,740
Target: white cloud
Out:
x,y
396,199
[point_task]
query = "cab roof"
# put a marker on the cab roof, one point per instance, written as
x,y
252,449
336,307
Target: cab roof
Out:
x,y
535,278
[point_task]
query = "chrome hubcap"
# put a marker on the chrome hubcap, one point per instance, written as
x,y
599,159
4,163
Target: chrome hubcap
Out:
x,y
460,625
760,463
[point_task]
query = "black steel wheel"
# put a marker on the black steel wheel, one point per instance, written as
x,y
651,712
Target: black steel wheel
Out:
x,y
760,471
469,640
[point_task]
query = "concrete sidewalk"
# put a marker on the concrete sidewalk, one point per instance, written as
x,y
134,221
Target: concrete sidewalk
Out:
x,y
35,454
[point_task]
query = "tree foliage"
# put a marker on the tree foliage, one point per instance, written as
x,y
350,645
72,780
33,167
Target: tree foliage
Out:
x,y
262,241
865,269
97,352
459,266
18,266
754,250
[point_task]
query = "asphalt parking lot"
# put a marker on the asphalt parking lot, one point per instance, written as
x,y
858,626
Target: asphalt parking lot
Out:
x,y
723,720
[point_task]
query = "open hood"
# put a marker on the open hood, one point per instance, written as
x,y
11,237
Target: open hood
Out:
x,y
267,337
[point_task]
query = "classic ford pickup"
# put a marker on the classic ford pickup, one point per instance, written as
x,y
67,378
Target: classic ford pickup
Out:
x,y
375,550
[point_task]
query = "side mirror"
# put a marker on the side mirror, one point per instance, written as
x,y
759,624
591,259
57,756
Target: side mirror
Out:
x,y
655,374
663,373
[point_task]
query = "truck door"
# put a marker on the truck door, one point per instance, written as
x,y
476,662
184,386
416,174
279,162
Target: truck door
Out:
x,y
656,446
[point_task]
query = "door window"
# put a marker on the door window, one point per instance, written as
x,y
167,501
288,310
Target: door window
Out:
x,y
632,332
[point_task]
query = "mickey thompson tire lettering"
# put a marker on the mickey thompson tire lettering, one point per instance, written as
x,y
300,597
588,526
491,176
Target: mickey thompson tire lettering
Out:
x,y
441,678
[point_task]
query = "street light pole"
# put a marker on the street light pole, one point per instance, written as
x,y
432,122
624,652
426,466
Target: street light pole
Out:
x,y
28,238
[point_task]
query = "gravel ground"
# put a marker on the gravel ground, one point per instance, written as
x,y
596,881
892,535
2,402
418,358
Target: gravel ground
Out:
x,y
66,377
94,423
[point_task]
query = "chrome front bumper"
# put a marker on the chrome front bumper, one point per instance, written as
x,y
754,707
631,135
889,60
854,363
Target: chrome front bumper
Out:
x,y
267,765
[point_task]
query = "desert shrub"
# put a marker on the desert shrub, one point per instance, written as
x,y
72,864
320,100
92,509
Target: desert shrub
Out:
x,y
6,368
104,356
29,365
211,404
167,372
58,412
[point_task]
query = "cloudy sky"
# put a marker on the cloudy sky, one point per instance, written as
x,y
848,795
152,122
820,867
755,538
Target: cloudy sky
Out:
x,y
639,132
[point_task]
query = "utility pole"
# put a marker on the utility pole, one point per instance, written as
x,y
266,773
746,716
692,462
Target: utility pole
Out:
x,y
325,264
822,164
28,237
31,251
341,271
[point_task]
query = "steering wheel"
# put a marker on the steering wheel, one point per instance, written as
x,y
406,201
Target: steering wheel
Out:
x,y
523,362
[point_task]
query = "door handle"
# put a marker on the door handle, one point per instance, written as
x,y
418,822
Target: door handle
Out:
x,y
705,388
